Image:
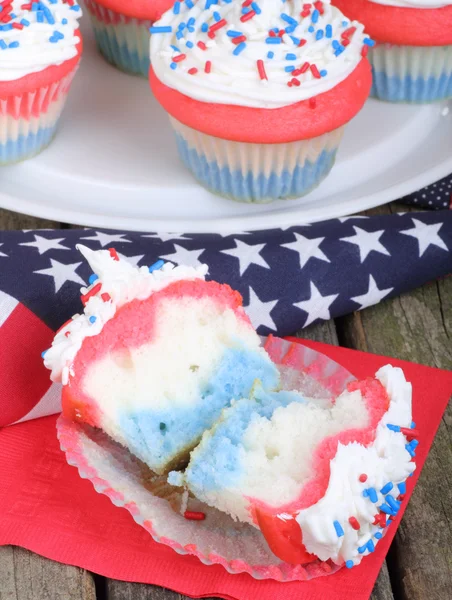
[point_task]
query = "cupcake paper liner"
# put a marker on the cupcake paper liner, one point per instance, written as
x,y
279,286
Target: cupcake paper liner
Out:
x,y
28,122
415,74
123,41
238,547
256,172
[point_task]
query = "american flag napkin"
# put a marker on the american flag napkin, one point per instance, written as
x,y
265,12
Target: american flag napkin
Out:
x,y
289,278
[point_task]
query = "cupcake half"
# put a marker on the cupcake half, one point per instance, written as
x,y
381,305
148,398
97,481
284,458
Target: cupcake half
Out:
x,y
258,94
155,357
40,48
319,481
412,58
122,33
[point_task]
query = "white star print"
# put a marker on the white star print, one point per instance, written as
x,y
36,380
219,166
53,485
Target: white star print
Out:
x,y
134,260
344,219
182,256
366,242
62,273
307,249
2,253
106,238
372,296
43,244
317,307
247,254
259,311
166,237
426,235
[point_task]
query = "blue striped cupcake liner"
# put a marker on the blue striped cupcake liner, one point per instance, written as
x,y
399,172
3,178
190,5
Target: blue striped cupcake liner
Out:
x,y
412,74
123,41
256,173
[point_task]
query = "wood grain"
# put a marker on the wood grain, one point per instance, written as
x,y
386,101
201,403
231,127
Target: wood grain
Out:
x,y
11,220
27,576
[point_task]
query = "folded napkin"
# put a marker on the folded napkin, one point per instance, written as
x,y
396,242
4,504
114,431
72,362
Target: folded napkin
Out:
x,y
289,278
436,196
47,508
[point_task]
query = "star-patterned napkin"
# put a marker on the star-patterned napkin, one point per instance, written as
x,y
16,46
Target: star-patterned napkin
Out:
x,y
289,278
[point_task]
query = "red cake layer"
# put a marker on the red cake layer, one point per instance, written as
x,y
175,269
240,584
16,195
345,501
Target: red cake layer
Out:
x,y
404,26
139,9
270,126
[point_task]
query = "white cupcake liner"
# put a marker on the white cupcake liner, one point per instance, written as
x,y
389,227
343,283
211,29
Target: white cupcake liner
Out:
x,y
256,172
238,547
28,122
123,41
414,74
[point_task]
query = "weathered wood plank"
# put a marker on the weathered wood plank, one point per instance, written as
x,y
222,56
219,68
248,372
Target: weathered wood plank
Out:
x,y
418,327
12,220
121,590
27,576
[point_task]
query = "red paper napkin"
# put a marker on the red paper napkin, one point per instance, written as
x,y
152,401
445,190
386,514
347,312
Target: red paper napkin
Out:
x,y
47,508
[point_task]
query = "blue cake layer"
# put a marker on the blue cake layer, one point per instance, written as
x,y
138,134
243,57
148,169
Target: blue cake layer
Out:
x,y
408,89
204,474
119,54
157,436
248,187
26,146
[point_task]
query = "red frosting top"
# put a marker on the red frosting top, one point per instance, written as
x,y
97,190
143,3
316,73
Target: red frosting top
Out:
x,y
140,9
404,26
303,120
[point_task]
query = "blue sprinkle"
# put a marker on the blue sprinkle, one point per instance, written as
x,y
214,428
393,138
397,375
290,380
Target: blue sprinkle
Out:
x,y
92,319
372,493
402,487
370,546
204,27
26,23
189,3
369,42
273,40
413,425
270,54
315,16
240,48
289,69
362,549
291,56
335,44
189,44
256,8
232,33
349,564
179,35
295,40
378,535
386,509
329,31
3,46
344,23
175,48
311,29
13,45
387,488
290,29
323,73
338,528
156,266
319,34
288,19
393,427
176,7
161,29
392,502
44,353
216,16
173,66
410,450
93,278
365,493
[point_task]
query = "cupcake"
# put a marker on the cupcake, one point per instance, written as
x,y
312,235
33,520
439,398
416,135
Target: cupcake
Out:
x,y
121,29
155,356
321,482
40,48
258,93
412,58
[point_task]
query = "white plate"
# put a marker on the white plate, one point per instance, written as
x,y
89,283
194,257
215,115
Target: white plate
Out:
x,y
114,164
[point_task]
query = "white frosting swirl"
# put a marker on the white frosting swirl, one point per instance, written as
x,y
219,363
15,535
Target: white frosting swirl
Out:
x,y
123,283
385,461
234,76
414,3
34,38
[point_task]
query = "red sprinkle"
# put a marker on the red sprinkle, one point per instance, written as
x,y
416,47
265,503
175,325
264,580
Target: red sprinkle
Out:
x,y
18,26
105,297
295,82
192,71
411,434
348,32
315,71
249,15
64,325
208,66
179,58
354,523
364,51
261,69
302,43
67,334
201,45
380,519
218,25
113,254
246,3
304,67
363,478
192,515
238,40
92,292
305,13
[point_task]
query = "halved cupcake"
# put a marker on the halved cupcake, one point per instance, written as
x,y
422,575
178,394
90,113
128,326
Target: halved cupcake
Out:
x,y
156,355
412,58
40,49
319,481
258,93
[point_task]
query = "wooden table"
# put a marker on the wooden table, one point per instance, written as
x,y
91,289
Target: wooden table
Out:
x,y
415,327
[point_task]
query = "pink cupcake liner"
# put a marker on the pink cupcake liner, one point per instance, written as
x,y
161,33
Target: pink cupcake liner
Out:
x,y
238,547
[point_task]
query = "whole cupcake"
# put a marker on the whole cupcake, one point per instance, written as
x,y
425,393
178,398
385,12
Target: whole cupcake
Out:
x,y
40,48
412,60
122,32
258,92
